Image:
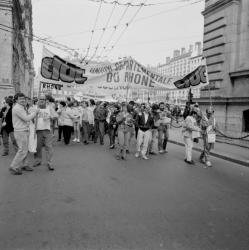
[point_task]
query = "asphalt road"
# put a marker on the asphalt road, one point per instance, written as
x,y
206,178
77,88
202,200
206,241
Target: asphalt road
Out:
x,y
93,201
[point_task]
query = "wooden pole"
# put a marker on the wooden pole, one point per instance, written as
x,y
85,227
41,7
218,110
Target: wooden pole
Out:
x,y
210,95
127,90
39,96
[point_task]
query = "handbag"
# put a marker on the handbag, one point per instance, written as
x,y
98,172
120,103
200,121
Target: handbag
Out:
x,y
196,134
211,138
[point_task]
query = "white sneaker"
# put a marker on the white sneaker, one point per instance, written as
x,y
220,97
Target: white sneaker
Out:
x,y
137,155
78,140
74,140
161,151
145,157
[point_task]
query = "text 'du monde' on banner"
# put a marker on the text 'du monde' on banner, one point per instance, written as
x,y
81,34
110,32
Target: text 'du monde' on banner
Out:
x,y
113,76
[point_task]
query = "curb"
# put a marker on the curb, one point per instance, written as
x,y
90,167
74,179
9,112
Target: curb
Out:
x,y
221,156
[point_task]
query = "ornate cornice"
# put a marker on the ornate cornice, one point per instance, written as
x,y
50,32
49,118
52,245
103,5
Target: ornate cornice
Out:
x,y
239,73
6,3
218,100
219,5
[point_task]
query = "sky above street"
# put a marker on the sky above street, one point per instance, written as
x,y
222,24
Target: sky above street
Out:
x,y
149,33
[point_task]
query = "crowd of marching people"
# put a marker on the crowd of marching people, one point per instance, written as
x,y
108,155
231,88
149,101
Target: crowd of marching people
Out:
x,y
33,124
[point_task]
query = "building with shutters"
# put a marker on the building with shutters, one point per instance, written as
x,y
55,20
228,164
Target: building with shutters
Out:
x,y
182,63
16,64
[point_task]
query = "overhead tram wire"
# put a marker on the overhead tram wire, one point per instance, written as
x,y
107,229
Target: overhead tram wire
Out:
x,y
38,39
52,43
137,5
144,18
166,11
139,19
114,30
156,14
159,13
103,32
153,41
126,27
93,30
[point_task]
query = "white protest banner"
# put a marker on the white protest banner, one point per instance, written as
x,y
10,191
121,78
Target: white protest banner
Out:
x,y
127,72
111,79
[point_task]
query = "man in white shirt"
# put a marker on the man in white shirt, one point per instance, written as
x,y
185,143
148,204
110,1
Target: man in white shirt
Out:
x,y
44,133
20,119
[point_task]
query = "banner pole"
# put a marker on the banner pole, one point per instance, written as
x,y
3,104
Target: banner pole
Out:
x,y
210,98
128,86
127,90
39,96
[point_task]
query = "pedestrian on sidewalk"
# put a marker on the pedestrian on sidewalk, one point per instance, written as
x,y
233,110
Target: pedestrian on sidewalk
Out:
x,y
7,129
189,126
44,133
21,119
208,126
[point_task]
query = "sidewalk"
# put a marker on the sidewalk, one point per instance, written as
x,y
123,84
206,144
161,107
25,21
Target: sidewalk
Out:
x,y
221,150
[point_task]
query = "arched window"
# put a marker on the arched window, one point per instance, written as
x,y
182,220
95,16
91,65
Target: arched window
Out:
x,y
246,120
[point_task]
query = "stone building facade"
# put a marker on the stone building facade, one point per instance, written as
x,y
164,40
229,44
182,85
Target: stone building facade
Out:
x,y
182,63
226,48
16,64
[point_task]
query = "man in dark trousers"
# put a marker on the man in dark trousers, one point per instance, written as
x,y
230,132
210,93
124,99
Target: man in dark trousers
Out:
x,y
100,115
144,123
7,127
113,125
